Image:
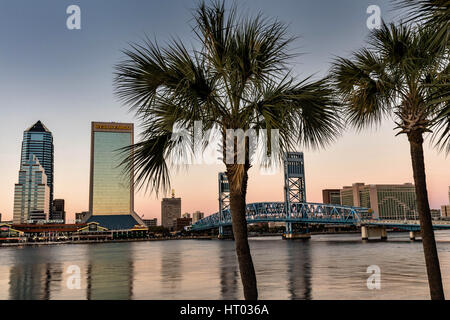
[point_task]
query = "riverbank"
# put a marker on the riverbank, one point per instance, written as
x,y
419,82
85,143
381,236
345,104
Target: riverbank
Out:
x,y
250,235
103,241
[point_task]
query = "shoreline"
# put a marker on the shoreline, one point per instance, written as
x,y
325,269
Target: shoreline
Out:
x,y
7,245
98,241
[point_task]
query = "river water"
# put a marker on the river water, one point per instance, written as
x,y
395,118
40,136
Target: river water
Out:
x,y
325,267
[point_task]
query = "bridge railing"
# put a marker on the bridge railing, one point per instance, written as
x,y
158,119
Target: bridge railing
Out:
x,y
299,212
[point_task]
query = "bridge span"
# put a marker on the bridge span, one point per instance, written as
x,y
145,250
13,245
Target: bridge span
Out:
x,y
296,211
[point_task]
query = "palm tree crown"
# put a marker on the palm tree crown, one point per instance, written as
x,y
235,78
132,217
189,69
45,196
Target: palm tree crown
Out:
x,y
400,74
239,78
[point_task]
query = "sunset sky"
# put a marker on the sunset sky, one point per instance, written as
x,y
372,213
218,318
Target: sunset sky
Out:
x,y
64,78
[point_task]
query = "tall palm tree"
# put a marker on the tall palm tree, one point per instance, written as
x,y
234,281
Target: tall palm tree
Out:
x,y
400,75
434,14
237,78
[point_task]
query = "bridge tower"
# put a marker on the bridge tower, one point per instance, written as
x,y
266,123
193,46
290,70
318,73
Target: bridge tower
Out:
x,y
294,186
224,198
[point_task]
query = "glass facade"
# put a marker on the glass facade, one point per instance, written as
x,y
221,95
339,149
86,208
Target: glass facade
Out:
x,y
31,194
111,188
38,141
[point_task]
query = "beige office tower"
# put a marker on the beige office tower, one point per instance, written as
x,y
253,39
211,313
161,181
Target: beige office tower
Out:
x,y
388,201
170,211
111,190
31,194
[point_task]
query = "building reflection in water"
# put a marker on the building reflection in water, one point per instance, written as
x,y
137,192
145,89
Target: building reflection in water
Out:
x,y
171,266
228,271
299,270
109,272
33,276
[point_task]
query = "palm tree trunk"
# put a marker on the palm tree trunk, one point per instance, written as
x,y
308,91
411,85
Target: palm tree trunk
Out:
x,y
237,208
428,241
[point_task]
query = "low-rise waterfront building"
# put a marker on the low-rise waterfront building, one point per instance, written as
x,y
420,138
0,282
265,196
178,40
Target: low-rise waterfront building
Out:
x,y
151,222
180,223
331,196
8,234
45,232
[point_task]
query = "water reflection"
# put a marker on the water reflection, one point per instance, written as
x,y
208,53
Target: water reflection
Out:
x,y
325,267
109,272
299,269
171,266
33,277
228,271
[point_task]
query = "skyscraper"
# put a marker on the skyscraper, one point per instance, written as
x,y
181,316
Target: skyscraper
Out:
x,y
170,211
38,140
31,193
111,191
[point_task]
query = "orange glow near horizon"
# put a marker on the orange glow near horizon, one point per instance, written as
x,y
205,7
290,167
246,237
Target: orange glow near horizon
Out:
x,y
372,157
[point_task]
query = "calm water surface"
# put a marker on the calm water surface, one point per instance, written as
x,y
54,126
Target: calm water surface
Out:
x,y
326,267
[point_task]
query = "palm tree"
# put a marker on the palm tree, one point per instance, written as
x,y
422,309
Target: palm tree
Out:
x,y
400,75
237,78
434,14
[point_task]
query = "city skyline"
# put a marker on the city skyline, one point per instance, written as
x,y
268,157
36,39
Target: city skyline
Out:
x,y
75,82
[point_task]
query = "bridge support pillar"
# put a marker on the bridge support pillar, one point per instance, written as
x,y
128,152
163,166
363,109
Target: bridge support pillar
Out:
x,y
296,236
373,232
413,235
291,234
225,233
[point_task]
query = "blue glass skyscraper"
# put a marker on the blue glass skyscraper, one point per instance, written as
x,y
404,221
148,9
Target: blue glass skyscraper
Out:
x,y
38,141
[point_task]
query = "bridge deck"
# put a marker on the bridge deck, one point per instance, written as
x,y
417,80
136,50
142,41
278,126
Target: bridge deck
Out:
x,y
310,213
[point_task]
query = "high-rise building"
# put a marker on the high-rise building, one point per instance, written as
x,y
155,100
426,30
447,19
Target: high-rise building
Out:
x,y
186,215
170,210
388,201
197,215
331,196
38,140
59,213
111,190
31,193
